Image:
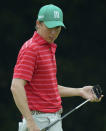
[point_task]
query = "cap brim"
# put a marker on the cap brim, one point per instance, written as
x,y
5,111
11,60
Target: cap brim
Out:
x,y
52,24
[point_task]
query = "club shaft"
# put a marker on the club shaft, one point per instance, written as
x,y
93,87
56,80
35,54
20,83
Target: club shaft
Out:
x,y
74,109
46,128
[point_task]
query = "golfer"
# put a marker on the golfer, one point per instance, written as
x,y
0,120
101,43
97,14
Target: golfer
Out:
x,y
34,86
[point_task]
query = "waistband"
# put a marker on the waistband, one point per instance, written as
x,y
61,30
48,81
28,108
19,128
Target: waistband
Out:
x,y
39,112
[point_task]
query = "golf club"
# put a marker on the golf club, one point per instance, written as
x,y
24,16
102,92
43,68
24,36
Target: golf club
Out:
x,y
98,92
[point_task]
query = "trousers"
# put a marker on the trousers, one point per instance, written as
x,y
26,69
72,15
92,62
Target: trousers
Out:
x,y
42,120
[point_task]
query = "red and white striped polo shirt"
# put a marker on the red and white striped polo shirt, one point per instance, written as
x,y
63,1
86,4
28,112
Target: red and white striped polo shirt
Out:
x,y
36,63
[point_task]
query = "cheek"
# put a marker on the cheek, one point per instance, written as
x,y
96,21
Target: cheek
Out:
x,y
57,33
46,31
45,34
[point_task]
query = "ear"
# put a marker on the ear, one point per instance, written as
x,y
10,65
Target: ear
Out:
x,y
37,24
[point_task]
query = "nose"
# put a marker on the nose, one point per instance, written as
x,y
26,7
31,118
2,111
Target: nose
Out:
x,y
53,31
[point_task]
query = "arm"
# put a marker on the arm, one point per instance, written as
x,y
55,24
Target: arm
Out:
x,y
18,91
68,91
86,92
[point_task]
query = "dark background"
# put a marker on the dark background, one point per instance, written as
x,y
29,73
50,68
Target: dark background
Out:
x,y
81,55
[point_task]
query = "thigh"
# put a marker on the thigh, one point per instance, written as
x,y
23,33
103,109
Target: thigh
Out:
x,y
43,120
57,126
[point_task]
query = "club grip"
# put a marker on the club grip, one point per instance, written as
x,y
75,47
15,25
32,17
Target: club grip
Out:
x,y
97,90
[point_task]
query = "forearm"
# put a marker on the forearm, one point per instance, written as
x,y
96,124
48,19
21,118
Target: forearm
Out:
x,y
68,91
21,100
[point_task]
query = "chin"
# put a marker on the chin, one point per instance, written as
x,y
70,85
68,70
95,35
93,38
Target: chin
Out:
x,y
50,42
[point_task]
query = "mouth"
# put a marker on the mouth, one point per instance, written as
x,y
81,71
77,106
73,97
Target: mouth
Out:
x,y
51,38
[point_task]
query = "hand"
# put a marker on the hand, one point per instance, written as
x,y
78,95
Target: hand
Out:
x,y
88,93
32,126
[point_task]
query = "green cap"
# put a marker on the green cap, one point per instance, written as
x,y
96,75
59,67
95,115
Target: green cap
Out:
x,y
51,15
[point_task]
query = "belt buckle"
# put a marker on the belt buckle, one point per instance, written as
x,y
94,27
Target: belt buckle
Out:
x,y
32,112
35,112
38,112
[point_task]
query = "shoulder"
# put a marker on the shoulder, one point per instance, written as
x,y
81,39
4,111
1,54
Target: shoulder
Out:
x,y
30,46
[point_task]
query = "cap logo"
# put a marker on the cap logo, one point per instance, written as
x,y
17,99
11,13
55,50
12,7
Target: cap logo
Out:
x,y
56,14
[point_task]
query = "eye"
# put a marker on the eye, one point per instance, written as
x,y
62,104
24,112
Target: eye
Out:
x,y
58,28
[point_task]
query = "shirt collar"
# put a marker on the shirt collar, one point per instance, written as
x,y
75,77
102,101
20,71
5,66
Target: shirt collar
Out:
x,y
37,38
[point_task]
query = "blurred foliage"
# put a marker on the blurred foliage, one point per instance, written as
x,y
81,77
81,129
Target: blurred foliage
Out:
x,y
81,55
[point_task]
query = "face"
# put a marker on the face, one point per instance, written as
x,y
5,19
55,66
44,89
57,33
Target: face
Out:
x,y
49,34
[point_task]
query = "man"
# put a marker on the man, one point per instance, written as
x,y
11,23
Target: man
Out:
x,y
34,85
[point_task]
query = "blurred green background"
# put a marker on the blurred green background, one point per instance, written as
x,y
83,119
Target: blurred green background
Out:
x,y
81,55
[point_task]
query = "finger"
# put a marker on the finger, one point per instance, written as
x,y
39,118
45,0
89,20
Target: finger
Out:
x,y
94,98
97,91
98,100
101,97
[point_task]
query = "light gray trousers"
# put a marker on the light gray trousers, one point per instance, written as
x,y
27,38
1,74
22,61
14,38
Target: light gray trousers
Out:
x,y
42,120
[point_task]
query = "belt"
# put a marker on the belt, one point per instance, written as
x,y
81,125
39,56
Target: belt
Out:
x,y
39,112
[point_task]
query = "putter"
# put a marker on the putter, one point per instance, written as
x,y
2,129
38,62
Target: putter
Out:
x,y
98,92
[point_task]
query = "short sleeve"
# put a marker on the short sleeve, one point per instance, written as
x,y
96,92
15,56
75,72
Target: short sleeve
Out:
x,y
25,64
